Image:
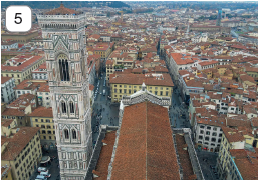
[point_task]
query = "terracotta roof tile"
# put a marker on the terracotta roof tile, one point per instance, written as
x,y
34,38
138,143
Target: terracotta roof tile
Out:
x,y
5,79
184,157
145,148
138,79
101,169
42,112
18,142
62,11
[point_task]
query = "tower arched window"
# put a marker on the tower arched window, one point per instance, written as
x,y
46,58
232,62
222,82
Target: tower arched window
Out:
x,y
63,68
66,134
71,106
63,107
73,134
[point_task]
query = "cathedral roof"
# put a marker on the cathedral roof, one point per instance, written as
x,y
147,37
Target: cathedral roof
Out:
x,y
62,11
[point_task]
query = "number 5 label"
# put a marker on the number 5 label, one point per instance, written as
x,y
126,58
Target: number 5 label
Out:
x,y
18,18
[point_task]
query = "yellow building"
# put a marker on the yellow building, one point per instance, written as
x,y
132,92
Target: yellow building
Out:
x,y
127,84
253,72
103,49
6,173
21,66
231,139
21,151
7,125
42,117
20,37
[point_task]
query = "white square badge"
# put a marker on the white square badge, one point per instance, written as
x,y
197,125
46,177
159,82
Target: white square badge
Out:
x,y
18,18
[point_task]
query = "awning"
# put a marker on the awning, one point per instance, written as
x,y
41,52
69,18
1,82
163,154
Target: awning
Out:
x,y
45,159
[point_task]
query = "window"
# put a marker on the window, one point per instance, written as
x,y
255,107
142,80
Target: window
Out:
x,y
66,134
167,93
150,87
43,132
124,86
125,91
63,68
202,126
214,134
156,92
130,91
47,120
200,137
48,132
213,139
36,120
219,140
161,93
42,120
207,138
115,85
207,132
209,127
44,137
63,106
74,134
214,129
71,107
120,90
37,125
42,126
48,126
50,137
115,90
201,132
220,135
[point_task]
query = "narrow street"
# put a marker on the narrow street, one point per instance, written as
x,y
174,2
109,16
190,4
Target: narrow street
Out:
x,y
103,111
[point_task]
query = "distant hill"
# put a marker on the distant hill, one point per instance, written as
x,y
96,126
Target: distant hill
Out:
x,y
68,4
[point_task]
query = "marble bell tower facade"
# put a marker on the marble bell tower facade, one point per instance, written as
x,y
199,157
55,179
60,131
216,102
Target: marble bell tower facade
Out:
x,y
63,33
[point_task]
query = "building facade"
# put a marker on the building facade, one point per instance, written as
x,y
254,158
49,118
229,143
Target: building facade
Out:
x,y
43,118
64,40
7,92
22,152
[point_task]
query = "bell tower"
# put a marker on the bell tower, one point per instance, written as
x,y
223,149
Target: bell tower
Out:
x,y
63,34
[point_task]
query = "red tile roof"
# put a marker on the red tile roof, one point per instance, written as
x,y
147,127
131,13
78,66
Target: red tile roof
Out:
x,y
138,79
42,112
5,79
62,11
145,148
184,158
101,169
18,142
13,112
26,63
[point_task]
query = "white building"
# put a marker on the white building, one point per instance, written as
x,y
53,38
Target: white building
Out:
x,y
7,92
40,73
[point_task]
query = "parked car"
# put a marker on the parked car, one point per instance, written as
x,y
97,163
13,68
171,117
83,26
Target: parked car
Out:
x,y
42,169
41,177
45,174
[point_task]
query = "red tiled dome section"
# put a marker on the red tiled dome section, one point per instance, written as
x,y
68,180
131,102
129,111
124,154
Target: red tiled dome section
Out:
x,y
62,11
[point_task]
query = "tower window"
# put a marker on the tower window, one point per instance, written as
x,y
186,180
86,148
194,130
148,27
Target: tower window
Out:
x,y
71,107
66,134
63,107
74,134
63,68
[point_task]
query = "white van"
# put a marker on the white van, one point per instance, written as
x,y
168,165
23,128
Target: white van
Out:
x,y
45,174
42,169
41,177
